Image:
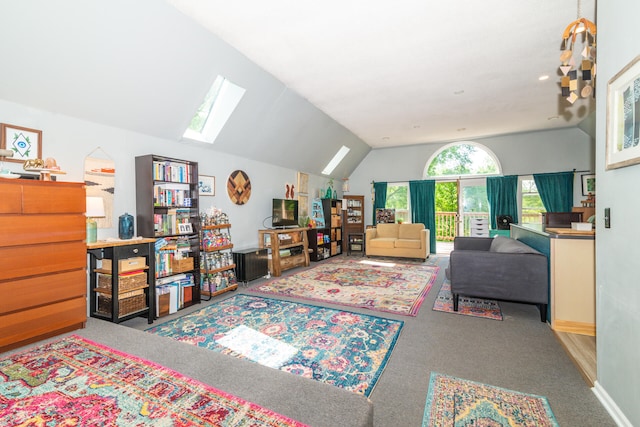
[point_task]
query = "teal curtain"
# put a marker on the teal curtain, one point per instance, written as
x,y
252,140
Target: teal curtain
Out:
x,y
556,190
502,192
380,197
423,207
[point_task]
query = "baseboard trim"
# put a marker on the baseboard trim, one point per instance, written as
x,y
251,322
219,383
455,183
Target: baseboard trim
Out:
x,y
580,328
610,406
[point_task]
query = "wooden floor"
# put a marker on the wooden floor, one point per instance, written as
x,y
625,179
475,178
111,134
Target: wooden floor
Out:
x,y
582,350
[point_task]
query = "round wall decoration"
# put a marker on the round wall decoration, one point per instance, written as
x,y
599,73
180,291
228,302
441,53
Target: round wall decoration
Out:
x,y
239,187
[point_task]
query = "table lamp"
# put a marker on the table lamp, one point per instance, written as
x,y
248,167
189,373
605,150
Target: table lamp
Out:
x,y
95,209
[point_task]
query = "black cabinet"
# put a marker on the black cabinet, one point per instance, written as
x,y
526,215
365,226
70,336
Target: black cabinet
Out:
x,y
251,264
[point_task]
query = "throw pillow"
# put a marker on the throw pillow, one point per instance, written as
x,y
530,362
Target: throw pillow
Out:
x,y
509,245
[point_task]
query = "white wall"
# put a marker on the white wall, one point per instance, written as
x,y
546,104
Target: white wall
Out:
x,y
519,154
70,140
617,248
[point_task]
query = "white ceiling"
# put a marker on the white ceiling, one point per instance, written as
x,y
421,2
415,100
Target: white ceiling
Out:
x,y
411,71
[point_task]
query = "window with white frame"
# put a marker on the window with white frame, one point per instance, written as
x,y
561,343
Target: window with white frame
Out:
x,y
398,199
532,207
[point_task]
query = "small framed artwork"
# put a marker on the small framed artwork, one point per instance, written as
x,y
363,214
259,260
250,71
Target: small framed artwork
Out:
x,y
185,228
207,185
25,143
303,183
623,117
588,184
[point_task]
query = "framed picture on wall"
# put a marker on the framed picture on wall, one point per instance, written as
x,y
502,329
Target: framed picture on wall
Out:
x,y
623,117
25,143
207,185
588,184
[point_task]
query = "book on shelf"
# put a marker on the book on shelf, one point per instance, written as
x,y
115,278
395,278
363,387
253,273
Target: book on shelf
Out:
x,y
172,171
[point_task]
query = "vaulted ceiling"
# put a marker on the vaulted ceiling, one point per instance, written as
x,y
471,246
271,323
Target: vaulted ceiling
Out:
x,y
318,75
412,71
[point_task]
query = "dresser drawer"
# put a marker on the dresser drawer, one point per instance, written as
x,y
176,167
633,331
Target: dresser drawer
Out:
x,y
33,260
53,197
40,290
29,230
11,200
39,322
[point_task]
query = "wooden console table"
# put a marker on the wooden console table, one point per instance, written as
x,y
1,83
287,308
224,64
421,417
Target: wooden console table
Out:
x,y
288,248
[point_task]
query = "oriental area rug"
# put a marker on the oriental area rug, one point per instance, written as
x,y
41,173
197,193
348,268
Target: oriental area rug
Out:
x,y
456,402
380,286
469,306
75,381
341,348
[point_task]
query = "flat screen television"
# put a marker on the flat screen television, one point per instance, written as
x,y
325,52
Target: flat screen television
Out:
x,y
284,213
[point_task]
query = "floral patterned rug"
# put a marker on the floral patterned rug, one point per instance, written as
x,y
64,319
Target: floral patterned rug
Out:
x,y
345,349
456,402
75,381
469,306
375,285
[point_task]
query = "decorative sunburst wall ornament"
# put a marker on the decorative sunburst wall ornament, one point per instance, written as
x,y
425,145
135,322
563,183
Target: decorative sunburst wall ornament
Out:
x,y
580,33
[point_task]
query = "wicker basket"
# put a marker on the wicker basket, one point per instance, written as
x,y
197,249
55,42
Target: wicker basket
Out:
x,y
125,283
129,302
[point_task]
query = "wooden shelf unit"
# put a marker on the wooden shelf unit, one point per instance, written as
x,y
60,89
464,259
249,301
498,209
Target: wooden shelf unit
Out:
x,y
353,221
217,266
319,240
333,221
117,300
279,242
166,199
43,260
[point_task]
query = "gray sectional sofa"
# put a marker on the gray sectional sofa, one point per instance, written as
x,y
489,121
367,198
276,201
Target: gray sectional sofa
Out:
x,y
499,268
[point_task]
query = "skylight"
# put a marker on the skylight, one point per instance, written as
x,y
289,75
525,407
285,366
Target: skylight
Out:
x,y
336,160
217,107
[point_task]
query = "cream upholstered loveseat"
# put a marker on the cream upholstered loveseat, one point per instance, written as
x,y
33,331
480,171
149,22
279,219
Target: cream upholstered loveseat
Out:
x,y
398,240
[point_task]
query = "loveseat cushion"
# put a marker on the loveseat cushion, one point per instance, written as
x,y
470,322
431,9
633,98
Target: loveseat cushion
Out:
x,y
382,242
408,243
509,245
387,230
410,231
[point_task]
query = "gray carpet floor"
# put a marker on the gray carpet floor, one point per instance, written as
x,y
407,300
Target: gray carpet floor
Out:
x,y
519,353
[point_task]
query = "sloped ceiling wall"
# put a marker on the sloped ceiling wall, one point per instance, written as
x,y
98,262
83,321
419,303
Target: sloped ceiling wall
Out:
x,y
143,66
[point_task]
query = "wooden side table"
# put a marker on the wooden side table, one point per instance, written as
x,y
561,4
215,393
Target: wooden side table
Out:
x,y
116,304
355,243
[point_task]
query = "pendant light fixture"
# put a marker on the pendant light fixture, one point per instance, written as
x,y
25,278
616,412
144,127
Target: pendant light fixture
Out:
x,y
579,36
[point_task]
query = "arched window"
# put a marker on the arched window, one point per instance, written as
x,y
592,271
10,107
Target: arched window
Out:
x,y
462,159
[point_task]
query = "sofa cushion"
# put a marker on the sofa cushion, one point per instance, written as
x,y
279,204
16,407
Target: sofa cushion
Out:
x,y
410,231
408,243
387,230
382,242
507,244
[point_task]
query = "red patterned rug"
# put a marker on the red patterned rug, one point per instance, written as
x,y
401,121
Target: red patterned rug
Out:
x,y
380,286
476,307
74,381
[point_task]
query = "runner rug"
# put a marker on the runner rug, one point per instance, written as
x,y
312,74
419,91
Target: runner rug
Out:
x,y
74,381
476,307
380,286
345,349
456,402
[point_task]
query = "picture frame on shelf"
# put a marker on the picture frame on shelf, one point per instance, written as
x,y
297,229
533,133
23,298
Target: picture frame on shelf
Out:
x,y
623,117
303,205
25,143
588,184
185,228
207,185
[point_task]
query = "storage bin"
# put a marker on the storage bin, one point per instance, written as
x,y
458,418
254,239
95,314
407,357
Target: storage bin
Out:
x,y
125,265
180,265
125,283
129,302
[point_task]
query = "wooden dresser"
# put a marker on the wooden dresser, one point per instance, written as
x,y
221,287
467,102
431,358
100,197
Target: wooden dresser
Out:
x,y
43,281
